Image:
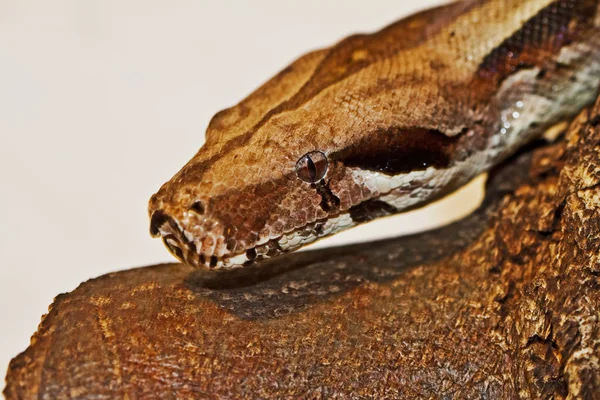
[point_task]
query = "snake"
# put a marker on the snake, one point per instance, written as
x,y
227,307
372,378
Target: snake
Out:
x,y
378,124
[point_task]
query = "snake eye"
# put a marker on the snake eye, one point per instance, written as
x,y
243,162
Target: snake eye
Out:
x,y
312,167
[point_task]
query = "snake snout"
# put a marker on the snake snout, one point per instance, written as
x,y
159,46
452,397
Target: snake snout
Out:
x,y
180,242
165,226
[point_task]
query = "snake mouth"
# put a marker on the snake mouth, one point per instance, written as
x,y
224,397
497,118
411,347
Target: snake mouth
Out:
x,y
185,246
181,245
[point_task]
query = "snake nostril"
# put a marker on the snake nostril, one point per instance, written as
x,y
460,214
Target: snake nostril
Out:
x,y
198,207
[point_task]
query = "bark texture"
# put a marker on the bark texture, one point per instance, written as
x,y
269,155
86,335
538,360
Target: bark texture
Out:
x,y
501,305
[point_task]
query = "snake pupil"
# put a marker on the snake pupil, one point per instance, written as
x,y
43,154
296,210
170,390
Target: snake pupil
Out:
x,y
312,169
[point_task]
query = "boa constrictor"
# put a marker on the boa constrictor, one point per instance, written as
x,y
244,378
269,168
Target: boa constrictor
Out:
x,y
378,124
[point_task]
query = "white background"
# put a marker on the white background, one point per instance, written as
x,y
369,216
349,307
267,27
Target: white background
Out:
x,y
103,101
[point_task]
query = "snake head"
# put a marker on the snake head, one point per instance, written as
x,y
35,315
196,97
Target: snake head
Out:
x,y
301,158
238,202
234,204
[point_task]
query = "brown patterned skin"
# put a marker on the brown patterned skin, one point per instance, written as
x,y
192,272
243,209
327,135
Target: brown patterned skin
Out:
x,y
401,116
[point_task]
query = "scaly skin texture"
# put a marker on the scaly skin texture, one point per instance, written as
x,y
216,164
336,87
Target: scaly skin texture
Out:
x,y
389,121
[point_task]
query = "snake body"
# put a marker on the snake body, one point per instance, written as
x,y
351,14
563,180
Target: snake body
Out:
x,y
378,124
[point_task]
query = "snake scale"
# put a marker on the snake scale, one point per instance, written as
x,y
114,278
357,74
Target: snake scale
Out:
x,y
378,124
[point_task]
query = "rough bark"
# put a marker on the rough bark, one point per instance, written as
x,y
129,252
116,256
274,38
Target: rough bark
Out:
x,y
501,305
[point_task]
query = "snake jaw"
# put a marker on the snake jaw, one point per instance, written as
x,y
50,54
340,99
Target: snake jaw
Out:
x,y
189,246
185,239
184,246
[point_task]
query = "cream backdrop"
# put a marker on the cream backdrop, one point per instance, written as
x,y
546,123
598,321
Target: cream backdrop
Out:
x,y
102,101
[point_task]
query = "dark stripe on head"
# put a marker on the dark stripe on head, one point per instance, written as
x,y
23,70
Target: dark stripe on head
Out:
x,y
370,210
329,201
400,150
539,39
